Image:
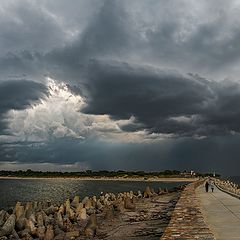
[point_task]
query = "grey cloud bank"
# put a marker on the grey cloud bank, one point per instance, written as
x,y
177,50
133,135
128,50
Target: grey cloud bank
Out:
x,y
172,154
19,95
156,71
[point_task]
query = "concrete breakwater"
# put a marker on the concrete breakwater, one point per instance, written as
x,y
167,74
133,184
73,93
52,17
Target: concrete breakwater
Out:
x,y
187,221
228,187
141,215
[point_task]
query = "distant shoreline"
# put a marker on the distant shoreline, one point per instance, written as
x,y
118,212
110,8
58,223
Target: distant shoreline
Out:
x,y
139,179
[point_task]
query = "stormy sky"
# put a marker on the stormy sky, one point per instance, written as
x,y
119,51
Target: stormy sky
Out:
x,y
116,84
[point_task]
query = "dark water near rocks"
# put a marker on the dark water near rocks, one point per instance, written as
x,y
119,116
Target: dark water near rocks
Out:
x,y
57,190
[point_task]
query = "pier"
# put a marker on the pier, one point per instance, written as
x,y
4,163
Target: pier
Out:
x,y
221,213
187,221
206,215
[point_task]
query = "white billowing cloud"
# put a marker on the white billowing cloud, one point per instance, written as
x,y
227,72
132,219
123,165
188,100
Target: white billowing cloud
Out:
x,y
60,116
47,118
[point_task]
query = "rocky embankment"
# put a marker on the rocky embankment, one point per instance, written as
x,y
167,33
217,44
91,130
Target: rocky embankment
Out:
x,y
111,216
228,186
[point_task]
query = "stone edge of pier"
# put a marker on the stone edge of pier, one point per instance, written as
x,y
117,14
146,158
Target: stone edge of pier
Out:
x,y
228,192
187,220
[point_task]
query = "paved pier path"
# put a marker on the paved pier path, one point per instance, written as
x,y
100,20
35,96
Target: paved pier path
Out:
x,y
221,212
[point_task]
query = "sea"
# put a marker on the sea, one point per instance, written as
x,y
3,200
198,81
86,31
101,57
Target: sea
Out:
x,y
58,190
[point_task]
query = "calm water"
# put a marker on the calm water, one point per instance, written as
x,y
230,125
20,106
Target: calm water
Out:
x,y
57,190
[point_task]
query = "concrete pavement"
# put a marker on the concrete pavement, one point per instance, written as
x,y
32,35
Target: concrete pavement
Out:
x,y
187,221
221,212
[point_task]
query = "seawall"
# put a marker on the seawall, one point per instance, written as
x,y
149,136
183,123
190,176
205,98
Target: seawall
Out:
x,y
187,221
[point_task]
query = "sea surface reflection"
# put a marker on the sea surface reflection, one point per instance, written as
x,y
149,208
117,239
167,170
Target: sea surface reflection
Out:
x,y
57,190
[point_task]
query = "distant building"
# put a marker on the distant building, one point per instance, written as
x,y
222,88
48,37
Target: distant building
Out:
x,y
188,174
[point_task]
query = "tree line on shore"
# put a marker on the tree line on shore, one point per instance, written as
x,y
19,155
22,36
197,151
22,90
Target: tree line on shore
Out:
x,y
102,173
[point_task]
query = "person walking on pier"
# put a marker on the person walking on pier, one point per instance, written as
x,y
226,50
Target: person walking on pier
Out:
x,y
212,185
206,186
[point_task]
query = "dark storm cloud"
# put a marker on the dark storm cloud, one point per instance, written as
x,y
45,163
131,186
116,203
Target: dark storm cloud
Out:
x,y
163,33
19,94
105,51
224,111
155,99
197,37
171,34
24,64
26,25
101,38
162,101
219,154
105,38
205,48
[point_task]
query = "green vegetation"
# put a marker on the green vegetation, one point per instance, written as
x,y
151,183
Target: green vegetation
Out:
x,y
99,174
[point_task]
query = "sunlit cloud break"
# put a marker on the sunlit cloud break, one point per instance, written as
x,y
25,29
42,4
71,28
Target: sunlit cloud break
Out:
x,y
60,116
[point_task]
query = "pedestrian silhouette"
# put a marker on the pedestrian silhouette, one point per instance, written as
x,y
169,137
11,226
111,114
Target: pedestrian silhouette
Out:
x,y
212,186
206,186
